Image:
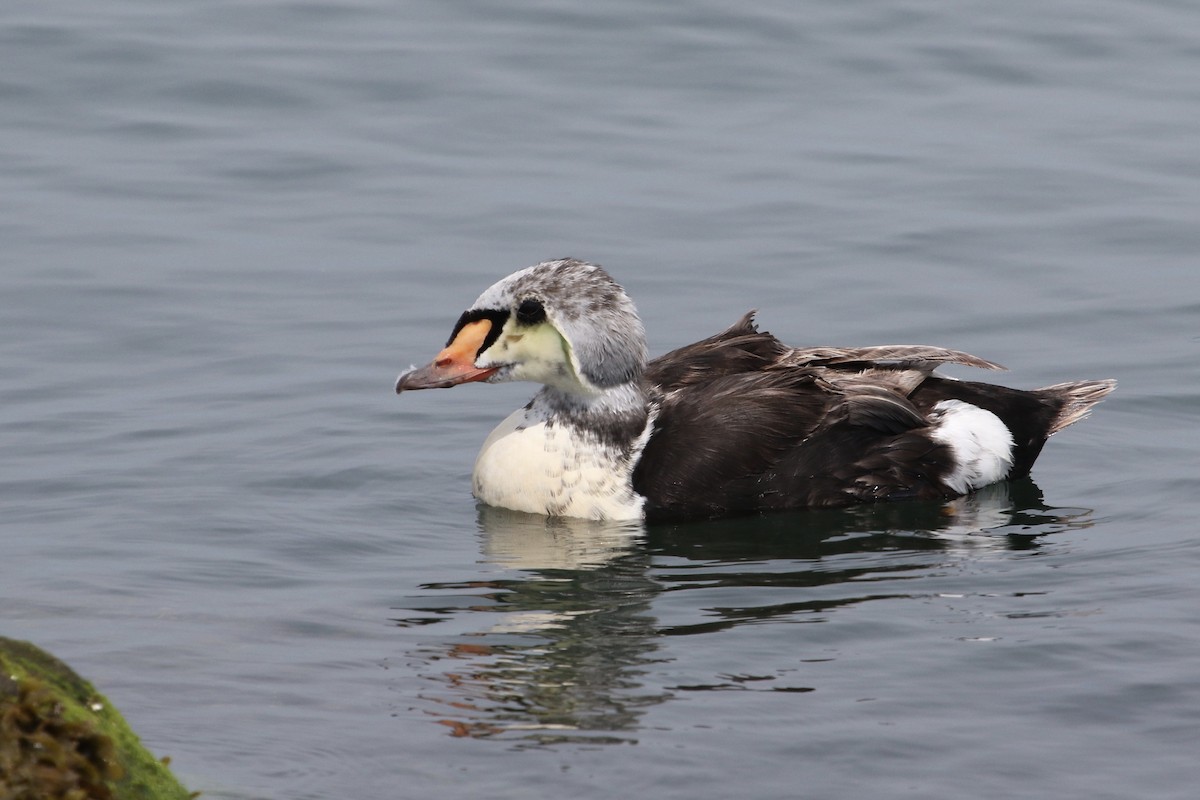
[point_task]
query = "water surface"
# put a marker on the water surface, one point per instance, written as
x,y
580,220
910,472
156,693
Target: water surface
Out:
x,y
227,227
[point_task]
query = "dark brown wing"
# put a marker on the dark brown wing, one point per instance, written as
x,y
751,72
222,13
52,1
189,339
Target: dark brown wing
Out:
x,y
740,348
784,438
860,453
709,438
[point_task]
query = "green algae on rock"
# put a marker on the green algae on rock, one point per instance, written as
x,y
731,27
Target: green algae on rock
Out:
x,y
61,740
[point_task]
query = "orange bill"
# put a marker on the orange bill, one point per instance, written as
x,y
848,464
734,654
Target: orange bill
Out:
x,y
454,365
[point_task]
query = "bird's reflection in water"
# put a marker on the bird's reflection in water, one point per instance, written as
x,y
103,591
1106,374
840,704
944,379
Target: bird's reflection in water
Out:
x,y
561,648
533,542
553,652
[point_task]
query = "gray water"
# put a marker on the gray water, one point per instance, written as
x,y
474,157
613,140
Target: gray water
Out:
x,y
227,226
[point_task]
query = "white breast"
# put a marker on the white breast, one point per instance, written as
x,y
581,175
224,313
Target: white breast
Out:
x,y
529,465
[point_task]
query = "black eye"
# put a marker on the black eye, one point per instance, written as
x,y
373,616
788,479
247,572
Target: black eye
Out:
x,y
531,311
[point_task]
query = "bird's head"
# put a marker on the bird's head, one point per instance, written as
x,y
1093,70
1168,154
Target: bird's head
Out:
x,y
565,324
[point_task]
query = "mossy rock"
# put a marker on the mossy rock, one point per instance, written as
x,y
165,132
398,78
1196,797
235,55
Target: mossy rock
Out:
x,y
61,740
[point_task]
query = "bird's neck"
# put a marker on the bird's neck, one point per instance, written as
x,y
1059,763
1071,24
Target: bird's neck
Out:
x,y
615,416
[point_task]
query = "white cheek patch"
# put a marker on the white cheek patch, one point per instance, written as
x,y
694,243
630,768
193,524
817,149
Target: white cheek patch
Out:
x,y
981,443
537,354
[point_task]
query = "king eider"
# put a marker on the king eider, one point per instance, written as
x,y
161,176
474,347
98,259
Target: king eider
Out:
x,y
737,423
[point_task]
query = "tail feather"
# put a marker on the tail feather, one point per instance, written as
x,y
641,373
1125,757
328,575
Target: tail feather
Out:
x,y
1078,398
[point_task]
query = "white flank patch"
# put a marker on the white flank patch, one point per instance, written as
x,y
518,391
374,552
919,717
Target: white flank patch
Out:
x,y
526,465
981,443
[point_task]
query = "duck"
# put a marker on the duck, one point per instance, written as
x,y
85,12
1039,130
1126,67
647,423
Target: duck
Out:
x,y
738,423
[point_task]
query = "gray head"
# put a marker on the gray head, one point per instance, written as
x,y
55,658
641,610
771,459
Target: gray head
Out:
x,y
564,323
